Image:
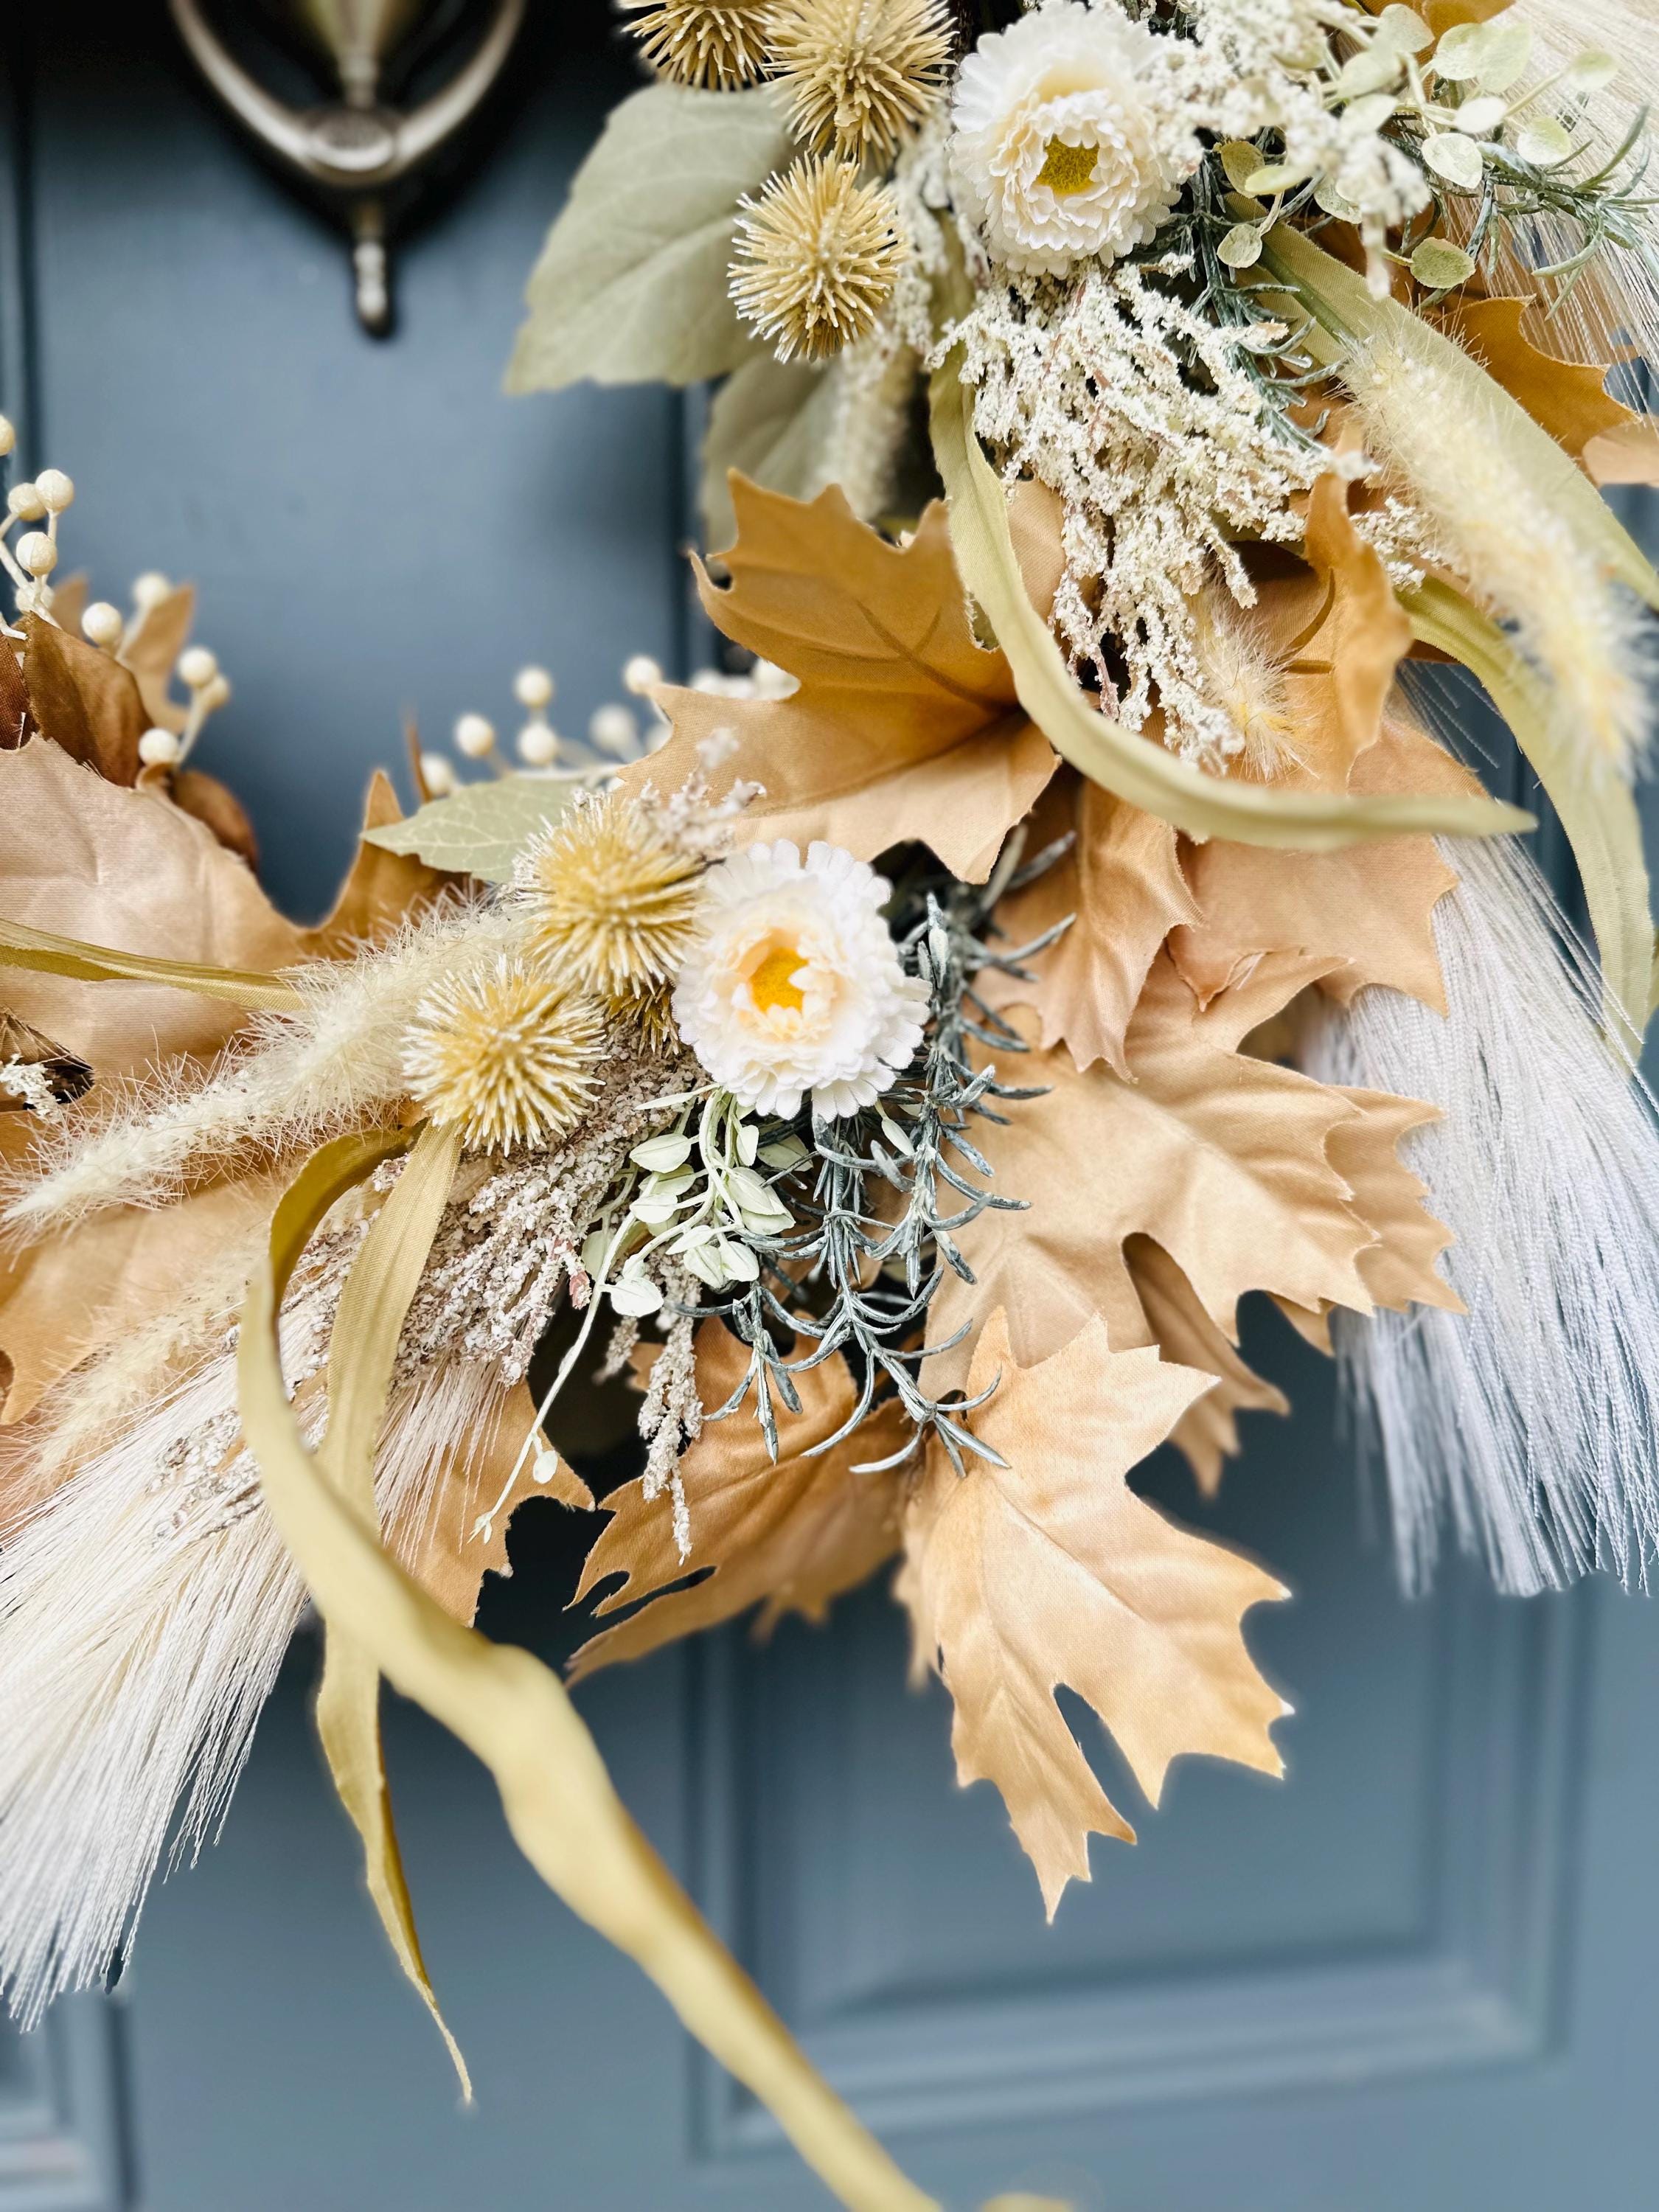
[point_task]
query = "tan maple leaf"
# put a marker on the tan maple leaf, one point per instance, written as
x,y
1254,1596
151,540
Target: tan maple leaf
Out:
x,y
86,858
83,700
1122,887
1568,398
789,1536
381,889
1207,1432
449,1559
1220,1159
1049,1570
1371,908
902,727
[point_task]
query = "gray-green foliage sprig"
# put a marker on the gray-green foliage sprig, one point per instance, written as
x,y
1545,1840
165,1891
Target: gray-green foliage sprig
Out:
x,y
883,1194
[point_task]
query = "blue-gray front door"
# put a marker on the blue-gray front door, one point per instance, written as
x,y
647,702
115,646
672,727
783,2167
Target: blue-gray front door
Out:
x,y
1423,1971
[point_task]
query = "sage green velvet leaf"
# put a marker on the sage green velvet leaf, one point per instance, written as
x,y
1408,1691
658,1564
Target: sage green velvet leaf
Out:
x,y
630,288
769,421
480,829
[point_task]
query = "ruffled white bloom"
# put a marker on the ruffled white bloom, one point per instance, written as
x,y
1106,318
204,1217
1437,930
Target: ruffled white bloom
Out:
x,y
1070,139
795,985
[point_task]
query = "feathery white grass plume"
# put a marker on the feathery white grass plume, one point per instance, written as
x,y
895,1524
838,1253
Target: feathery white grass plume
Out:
x,y
1437,435
137,1648
335,1062
1529,1422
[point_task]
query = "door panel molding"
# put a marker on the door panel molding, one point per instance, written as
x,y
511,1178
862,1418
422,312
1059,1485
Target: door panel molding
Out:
x,y
62,2108
1480,1984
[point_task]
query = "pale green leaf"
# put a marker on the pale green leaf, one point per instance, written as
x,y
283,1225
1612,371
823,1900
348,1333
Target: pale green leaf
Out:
x,y
1592,71
1544,142
1240,246
1240,160
631,283
1599,815
1455,158
1403,29
1440,265
1122,760
770,421
480,829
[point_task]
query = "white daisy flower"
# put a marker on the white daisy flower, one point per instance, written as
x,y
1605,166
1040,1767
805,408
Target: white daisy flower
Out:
x,y
1068,140
794,985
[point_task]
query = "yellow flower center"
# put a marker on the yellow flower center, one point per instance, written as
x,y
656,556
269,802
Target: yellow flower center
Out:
x,y
1067,169
772,983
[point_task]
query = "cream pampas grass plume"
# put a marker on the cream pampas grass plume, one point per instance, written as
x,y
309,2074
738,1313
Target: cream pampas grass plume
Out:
x,y
144,1611
1439,437
1527,1424
335,1063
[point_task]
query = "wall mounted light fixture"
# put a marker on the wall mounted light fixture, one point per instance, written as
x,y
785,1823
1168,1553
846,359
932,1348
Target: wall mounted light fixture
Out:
x,y
355,148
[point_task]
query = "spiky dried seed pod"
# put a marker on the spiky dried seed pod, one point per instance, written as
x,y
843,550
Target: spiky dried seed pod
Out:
x,y
511,1055
611,897
714,45
647,1013
818,254
859,74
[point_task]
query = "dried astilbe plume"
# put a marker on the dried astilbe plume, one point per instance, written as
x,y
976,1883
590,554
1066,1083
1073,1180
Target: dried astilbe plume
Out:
x,y
611,898
510,1057
818,254
713,44
859,74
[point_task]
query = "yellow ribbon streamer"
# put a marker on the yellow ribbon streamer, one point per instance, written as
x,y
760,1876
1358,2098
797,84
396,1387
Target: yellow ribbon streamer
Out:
x,y
374,1305
1122,760
47,955
514,1714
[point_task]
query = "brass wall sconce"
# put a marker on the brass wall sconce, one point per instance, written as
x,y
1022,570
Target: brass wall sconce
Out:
x,y
355,148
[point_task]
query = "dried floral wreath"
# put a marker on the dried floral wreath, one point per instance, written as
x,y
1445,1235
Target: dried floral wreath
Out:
x,y
1259,349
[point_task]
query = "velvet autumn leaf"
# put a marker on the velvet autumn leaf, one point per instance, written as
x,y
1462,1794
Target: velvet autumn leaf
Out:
x,y
903,726
1049,1570
790,1535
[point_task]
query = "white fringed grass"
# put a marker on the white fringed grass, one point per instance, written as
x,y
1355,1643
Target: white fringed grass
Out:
x,y
336,1063
133,1669
1529,1425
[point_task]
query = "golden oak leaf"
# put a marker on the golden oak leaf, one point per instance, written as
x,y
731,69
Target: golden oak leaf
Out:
x,y
84,858
1628,455
1121,882
903,726
791,1535
158,637
17,725
381,889
1219,1158
1371,908
448,1559
83,700
1049,1570
212,803
1207,1432
1568,398
1338,636
1400,1267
